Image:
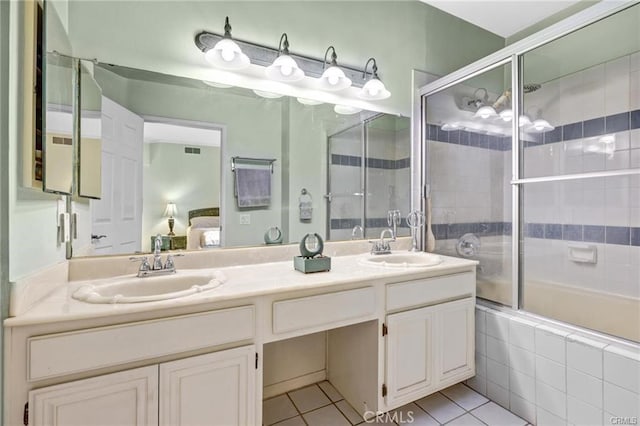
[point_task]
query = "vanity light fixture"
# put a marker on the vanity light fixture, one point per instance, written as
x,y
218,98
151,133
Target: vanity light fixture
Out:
x,y
170,211
374,89
305,101
333,78
346,110
284,68
267,95
226,54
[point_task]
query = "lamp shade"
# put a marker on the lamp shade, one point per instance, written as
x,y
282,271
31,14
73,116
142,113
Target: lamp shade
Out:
x,y
374,90
284,68
171,210
227,55
333,79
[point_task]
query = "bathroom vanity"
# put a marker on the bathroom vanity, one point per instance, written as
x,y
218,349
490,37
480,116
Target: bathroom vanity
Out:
x,y
393,335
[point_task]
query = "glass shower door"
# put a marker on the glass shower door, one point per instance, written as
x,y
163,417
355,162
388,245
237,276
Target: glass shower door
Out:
x,y
345,185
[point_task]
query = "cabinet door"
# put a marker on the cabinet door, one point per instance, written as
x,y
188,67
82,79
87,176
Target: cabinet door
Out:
x,y
455,340
125,398
409,359
212,389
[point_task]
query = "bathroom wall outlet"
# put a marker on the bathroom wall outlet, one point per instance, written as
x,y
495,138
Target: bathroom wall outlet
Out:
x,y
245,219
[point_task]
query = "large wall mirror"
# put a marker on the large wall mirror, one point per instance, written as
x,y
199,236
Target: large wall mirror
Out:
x,y
175,151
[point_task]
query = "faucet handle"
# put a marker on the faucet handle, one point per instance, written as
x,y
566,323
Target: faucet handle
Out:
x,y
169,264
144,263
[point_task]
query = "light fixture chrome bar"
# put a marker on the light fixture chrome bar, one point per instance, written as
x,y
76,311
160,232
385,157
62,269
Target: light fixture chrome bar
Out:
x,y
264,56
573,176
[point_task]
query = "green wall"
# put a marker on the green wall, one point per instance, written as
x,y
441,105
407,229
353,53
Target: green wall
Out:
x,y
401,35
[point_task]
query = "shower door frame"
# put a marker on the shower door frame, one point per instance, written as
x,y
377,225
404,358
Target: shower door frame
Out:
x,y
513,55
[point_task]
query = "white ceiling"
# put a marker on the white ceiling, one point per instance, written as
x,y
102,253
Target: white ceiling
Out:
x,y
505,17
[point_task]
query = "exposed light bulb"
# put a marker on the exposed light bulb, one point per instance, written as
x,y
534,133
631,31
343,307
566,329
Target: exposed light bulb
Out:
x,y
373,91
333,79
286,70
227,54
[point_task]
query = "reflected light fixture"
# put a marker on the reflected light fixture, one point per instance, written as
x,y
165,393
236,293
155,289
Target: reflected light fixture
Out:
x,y
373,89
506,115
333,78
346,110
226,54
284,68
169,212
524,121
486,112
541,125
305,101
447,127
217,85
268,95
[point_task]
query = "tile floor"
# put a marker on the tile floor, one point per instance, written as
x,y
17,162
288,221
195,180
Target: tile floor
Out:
x,y
322,405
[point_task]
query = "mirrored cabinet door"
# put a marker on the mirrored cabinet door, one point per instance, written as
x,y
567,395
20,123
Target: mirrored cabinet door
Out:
x,y
90,146
58,124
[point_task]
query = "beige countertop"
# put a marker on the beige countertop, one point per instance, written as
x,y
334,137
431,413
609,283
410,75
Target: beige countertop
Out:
x,y
244,281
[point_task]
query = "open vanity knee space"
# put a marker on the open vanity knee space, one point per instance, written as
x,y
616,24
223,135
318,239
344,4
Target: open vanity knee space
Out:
x,y
383,337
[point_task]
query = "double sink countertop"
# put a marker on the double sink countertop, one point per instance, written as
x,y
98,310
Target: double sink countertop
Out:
x,y
242,282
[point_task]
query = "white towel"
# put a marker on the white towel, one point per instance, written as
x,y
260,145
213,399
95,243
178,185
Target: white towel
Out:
x,y
253,186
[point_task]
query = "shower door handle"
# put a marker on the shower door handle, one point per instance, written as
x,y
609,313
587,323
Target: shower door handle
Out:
x,y
329,197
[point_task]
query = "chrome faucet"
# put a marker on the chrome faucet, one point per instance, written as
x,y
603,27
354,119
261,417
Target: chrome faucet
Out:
x,y
382,246
147,270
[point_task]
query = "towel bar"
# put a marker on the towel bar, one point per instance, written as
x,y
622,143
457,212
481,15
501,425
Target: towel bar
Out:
x,y
265,161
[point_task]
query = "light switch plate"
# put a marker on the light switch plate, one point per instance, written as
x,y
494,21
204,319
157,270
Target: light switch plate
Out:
x,y
245,219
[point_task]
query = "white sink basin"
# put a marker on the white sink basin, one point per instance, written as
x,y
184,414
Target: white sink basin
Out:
x,y
402,260
149,289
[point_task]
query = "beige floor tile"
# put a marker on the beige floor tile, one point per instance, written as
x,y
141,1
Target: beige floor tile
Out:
x,y
440,408
349,412
331,392
277,409
309,398
464,396
411,414
326,416
494,415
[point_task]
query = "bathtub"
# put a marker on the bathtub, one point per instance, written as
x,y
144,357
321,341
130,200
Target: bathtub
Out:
x,y
609,313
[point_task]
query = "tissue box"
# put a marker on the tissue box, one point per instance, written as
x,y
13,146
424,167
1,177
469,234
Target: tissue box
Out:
x,y
308,265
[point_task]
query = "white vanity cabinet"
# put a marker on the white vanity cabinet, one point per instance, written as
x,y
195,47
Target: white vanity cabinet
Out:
x,y
432,347
124,398
215,388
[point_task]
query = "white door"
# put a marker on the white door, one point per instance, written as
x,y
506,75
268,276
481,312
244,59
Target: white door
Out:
x,y
212,389
409,374
455,340
116,219
126,398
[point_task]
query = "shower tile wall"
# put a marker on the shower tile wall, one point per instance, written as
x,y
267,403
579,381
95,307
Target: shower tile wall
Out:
x,y
600,212
596,114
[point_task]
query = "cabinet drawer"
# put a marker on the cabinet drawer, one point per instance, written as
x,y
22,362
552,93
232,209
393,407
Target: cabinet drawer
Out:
x,y
65,353
429,290
325,309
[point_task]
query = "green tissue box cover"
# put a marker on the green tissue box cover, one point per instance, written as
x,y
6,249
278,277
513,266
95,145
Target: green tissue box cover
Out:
x,y
308,265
